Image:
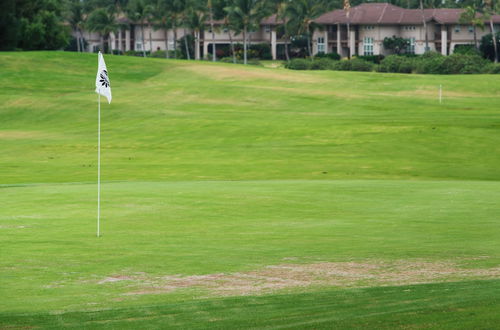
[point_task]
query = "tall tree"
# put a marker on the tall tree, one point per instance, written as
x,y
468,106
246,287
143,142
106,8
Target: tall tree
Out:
x,y
139,11
162,21
490,10
104,22
247,14
75,18
195,20
469,16
302,13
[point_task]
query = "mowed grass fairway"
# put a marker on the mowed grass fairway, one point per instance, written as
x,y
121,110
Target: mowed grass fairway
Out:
x,y
238,197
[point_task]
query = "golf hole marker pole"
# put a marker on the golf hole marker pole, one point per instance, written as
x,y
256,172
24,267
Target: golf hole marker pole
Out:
x,y
98,164
102,87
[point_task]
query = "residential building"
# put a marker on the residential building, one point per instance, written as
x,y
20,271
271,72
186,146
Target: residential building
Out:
x,y
363,31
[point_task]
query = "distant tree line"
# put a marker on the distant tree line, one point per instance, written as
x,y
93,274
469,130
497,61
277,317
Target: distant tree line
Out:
x,y
47,24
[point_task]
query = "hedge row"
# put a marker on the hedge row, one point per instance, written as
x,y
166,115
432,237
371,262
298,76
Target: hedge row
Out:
x,y
429,63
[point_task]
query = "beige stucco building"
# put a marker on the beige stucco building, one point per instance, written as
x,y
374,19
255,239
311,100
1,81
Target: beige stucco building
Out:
x,y
363,30
359,32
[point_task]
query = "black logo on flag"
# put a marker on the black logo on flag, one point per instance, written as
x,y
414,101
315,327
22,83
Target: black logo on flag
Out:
x,y
104,79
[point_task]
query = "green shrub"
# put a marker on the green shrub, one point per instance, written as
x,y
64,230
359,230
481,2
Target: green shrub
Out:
x,y
298,64
430,62
493,68
332,56
397,64
466,50
354,64
360,65
463,64
372,58
322,64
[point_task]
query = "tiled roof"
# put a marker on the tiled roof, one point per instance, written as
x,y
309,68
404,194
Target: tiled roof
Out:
x,y
385,14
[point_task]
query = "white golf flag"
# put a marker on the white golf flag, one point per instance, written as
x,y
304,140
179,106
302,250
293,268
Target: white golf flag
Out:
x,y
102,85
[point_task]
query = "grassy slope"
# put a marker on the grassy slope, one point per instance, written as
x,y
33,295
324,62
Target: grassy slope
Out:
x,y
328,166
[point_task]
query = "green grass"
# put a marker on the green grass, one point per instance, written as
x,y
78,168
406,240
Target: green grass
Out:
x,y
219,168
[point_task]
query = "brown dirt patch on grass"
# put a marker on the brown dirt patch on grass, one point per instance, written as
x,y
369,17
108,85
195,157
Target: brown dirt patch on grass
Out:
x,y
291,276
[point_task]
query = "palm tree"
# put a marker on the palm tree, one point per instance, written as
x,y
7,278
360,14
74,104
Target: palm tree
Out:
x,y
76,20
211,14
424,21
281,11
195,20
176,12
140,11
162,21
302,13
469,16
104,22
247,14
491,10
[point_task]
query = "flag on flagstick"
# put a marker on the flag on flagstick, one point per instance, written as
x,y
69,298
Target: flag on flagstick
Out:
x,y
102,87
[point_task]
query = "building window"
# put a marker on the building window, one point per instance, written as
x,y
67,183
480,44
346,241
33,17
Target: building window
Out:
x,y
321,45
368,46
471,29
411,46
409,27
225,30
369,27
457,28
267,28
138,46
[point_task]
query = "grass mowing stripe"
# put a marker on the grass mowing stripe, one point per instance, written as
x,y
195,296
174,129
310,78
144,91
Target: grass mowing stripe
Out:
x,y
443,305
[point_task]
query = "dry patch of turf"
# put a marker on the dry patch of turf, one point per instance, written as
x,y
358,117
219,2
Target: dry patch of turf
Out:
x,y
290,276
219,72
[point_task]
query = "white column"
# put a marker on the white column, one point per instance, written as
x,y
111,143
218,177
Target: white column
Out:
x,y
197,45
339,42
205,48
352,42
112,40
273,43
127,40
326,40
444,40
120,44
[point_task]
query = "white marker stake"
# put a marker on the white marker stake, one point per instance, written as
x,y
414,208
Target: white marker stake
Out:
x,y
440,94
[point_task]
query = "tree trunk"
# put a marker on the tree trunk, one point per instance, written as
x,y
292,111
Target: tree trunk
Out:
x,y
142,39
150,39
245,45
214,55
494,39
175,41
309,50
110,45
165,35
287,55
425,26
77,42
475,38
197,45
82,44
232,45
186,46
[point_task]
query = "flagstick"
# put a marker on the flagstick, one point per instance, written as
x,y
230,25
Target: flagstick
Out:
x,y
98,164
